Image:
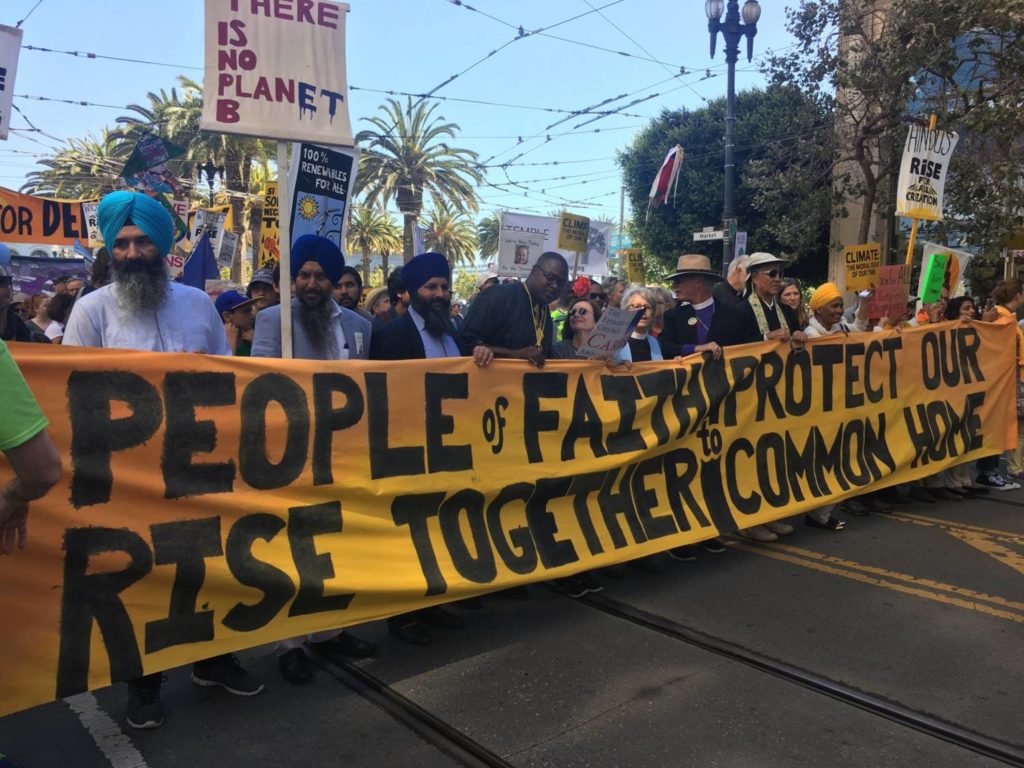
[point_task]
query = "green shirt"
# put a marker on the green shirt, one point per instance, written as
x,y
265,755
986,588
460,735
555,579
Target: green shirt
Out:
x,y
22,418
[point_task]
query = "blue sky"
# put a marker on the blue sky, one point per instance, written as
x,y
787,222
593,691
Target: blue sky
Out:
x,y
413,46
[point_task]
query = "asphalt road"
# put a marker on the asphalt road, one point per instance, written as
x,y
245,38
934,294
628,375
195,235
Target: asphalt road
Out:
x,y
897,642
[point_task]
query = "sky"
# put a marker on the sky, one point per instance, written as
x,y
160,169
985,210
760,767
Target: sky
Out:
x,y
414,46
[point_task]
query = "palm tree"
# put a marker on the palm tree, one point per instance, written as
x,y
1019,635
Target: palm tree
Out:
x,y
488,231
371,228
405,155
86,168
451,233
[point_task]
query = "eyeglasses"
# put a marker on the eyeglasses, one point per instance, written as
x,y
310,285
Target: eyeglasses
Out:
x,y
579,312
599,297
636,307
772,273
552,278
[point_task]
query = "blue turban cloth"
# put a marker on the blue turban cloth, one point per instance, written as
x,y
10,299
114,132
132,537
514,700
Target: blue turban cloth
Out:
x,y
424,267
321,250
143,211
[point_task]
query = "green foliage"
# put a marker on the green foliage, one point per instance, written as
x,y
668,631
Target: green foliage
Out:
x,y
488,231
450,232
464,284
782,191
371,229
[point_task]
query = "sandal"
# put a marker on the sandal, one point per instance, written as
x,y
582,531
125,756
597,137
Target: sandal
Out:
x,y
832,524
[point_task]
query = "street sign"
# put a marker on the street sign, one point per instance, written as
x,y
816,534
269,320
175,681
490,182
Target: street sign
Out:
x,y
709,234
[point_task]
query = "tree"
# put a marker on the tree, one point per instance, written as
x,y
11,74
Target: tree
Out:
x,y
86,168
789,219
451,233
488,230
406,156
371,229
877,67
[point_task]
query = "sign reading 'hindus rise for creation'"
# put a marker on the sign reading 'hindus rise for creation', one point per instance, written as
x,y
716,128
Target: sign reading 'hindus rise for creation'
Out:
x,y
210,504
277,70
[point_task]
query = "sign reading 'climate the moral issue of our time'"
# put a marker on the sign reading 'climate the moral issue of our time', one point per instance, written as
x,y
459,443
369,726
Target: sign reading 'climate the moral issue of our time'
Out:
x,y
862,263
211,504
277,70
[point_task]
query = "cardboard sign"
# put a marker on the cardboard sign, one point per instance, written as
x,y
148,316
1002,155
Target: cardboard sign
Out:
x,y
892,292
270,237
212,222
10,47
226,252
862,263
277,72
633,259
320,185
740,246
573,232
933,277
518,252
923,172
593,261
611,332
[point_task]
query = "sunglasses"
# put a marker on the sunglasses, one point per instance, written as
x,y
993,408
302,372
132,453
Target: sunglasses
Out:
x,y
598,297
772,273
579,312
552,278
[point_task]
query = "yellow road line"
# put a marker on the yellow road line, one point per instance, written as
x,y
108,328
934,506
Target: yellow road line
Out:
x,y
984,543
864,578
924,520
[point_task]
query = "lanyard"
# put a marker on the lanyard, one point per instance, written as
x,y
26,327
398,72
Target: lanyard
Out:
x,y
537,315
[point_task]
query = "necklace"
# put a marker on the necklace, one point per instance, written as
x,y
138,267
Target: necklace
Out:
x,y
537,315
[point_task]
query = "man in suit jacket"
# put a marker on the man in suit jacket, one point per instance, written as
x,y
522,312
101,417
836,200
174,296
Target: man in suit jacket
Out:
x,y
321,330
423,331
701,322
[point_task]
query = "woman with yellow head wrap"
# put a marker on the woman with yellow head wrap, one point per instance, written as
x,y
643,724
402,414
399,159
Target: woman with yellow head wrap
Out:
x,y
826,307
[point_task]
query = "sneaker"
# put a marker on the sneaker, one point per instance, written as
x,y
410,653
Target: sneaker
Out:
x,y
577,586
758,533
684,554
996,482
225,671
779,528
714,546
143,708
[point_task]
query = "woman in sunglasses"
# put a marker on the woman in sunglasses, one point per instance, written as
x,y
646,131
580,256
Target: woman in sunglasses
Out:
x,y
642,346
581,317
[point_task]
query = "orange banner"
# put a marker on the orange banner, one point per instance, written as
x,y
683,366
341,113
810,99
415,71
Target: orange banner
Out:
x,y
212,504
31,219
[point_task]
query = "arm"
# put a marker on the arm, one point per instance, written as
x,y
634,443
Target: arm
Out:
x,y
37,468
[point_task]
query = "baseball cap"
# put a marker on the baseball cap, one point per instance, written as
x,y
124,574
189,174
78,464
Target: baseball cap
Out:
x,y
262,276
230,301
20,298
484,278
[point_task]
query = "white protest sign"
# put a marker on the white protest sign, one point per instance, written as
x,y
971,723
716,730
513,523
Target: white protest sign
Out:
x,y
923,172
213,224
518,252
226,252
89,208
611,333
277,70
593,261
10,46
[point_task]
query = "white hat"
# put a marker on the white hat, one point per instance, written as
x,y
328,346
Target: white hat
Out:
x,y
484,278
761,258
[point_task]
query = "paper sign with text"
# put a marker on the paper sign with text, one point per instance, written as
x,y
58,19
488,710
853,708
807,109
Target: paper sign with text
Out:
x,y
923,172
933,277
320,185
892,292
573,232
611,332
862,263
518,252
269,252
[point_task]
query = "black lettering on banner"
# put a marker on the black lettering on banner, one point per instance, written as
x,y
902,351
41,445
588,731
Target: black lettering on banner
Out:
x,y
826,357
581,488
614,503
716,384
386,461
254,462
692,398
714,494
646,500
971,422
328,419
184,436
95,436
852,435
853,399
440,457
798,369
799,467
876,449
873,394
968,342
553,552
829,460
743,370
771,470
515,546
745,505
624,392
679,487
767,377
930,375
88,597
414,510
304,523
660,385
275,584
536,420
585,424
481,568
891,346
185,544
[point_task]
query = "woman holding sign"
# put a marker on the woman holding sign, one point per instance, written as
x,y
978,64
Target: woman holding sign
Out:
x,y
581,318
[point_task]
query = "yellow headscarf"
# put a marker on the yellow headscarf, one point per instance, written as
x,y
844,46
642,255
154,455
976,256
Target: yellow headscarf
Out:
x,y
825,294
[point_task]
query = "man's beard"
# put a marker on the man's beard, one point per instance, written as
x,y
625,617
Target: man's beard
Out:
x,y
317,321
141,284
435,314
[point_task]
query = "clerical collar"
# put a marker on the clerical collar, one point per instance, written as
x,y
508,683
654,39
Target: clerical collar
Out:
x,y
769,304
637,336
705,304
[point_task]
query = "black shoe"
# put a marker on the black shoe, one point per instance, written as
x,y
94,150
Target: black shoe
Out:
x,y
143,708
942,494
892,496
684,554
346,645
226,672
832,524
714,546
412,633
854,507
571,586
920,494
439,617
295,667
647,564
875,506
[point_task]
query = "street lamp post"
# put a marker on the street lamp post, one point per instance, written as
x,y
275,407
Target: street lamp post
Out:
x,y
732,30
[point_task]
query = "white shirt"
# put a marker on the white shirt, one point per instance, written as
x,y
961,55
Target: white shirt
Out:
x,y
54,330
187,321
815,329
433,346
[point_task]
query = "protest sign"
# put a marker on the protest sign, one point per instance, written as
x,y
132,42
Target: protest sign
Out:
x,y
923,172
633,258
593,261
283,497
933,277
269,235
33,275
518,252
209,221
89,209
892,292
611,332
320,185
277,72
226,252
955,269
573,232
10,47
862,263
31,219
146,168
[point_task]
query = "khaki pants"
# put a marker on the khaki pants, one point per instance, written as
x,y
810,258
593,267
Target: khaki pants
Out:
x,y
1015,457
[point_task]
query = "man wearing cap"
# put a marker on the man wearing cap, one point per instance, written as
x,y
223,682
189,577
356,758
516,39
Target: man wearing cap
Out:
x,y
423,332
237,313
734,287
512,319
262,289
349,290
22,305
143,310
12,327
321,330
